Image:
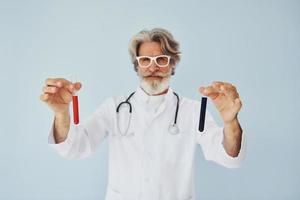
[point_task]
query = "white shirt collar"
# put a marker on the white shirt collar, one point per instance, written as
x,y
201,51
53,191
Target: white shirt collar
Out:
x,y
142,96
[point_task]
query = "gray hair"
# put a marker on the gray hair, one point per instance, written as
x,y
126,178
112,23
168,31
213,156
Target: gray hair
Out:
x,y
168,44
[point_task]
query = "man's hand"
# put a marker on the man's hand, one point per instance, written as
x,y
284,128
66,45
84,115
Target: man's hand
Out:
x,y
57,94
226,99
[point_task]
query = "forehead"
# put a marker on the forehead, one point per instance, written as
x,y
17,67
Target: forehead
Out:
x,y
150,49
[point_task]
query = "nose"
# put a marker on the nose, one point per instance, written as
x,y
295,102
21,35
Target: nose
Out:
x,y
153,67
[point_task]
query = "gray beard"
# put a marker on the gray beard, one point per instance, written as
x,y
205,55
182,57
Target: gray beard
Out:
x,y
155,86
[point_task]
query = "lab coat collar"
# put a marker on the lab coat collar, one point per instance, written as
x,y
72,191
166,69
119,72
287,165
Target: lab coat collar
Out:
x,y
142,96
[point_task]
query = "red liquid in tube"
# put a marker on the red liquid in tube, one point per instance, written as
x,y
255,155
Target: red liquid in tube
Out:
x,y
75,109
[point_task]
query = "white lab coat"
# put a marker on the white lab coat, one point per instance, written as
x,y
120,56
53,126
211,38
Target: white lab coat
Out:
x,y
150,164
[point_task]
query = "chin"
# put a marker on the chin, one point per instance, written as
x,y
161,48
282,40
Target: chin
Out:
x,y
154,85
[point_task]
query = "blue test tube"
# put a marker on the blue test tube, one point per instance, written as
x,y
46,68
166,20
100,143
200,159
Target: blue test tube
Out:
x,y
202,114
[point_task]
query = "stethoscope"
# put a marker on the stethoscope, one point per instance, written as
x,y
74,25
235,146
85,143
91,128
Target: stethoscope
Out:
x,y
173,128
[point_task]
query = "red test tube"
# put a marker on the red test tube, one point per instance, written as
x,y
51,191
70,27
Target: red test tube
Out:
x,y
75,109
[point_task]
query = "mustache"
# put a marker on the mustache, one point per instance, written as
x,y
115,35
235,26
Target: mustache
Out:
x,y
158,74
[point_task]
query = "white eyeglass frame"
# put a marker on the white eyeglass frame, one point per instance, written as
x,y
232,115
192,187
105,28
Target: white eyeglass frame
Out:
x,y
153,58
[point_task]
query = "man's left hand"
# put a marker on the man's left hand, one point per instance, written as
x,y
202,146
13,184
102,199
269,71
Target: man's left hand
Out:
x,y
226,99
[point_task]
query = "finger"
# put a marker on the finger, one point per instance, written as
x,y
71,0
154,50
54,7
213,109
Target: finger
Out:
x,y
73,88
79,85
50,89
217,83
70,88
59,82
201,90
238,101
52,82
229,85
237,104
66,95
229,91
217,86
226,84
209,92
44,97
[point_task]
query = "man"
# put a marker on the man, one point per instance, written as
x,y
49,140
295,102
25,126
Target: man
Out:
x,y
147,160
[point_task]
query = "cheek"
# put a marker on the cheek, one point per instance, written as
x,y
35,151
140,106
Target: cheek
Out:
x,y
141,70
166,70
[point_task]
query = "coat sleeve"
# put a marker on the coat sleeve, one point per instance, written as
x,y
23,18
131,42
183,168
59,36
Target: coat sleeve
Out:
x,y
84,138
211,140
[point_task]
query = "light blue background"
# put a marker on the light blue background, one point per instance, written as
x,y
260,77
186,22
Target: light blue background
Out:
x,y
252,44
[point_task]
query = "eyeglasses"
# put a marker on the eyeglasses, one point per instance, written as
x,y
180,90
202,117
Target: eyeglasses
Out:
x,y
160,61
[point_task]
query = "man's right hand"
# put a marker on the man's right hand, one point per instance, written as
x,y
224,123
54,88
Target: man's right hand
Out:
x,y
57,94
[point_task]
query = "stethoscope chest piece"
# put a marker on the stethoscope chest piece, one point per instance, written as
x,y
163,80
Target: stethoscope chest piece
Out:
x,y
173,129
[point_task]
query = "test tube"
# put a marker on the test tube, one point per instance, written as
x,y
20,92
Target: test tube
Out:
x,y
75,107
202,114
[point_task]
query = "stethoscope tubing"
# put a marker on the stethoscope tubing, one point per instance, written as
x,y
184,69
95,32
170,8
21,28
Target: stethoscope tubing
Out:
x,y
201,118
